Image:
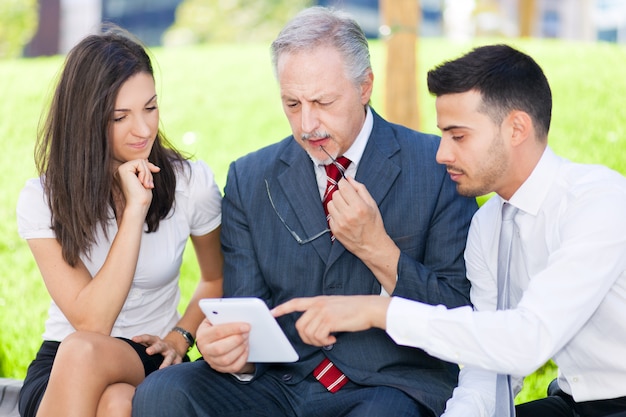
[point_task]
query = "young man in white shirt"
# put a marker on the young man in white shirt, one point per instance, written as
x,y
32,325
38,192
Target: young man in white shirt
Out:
x,y
568,264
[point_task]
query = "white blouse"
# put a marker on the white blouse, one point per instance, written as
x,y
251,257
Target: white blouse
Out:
x,y
151,305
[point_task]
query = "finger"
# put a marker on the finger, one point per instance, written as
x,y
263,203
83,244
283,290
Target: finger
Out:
x,y
228,355
167,361
314,329
362,191
177,359
144,174
153,168
306,328
219,340
140,338
346,186
226,345
234,366
222,331
145,339
293,305
346,202
157,347
135,169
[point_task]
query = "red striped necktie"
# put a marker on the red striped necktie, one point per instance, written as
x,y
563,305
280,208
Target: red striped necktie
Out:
x,y
330,376
326,372
334,172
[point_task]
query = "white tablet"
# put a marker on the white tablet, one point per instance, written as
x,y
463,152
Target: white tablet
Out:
x,y
268,343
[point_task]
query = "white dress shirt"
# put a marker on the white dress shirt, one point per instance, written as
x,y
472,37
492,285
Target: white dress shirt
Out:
x,y
152,302
571,274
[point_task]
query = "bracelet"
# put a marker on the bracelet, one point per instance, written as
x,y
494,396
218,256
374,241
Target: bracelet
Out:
x,y
188,337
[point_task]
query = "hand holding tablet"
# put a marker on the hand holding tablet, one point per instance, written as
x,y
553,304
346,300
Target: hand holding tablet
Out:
x,y
268,342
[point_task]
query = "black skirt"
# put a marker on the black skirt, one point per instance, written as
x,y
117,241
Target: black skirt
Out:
x,y
39,370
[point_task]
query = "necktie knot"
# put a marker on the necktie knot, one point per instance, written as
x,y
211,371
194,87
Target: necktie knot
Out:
x,y
335,169
508,212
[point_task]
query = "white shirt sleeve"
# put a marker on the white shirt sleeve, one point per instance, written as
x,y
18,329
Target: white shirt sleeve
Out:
x,y
583,246
203,200
474,396
33,213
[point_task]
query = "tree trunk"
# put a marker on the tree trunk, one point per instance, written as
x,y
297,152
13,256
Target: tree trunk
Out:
x,y
401,19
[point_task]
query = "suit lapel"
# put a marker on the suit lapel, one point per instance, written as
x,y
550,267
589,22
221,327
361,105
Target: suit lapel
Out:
x,y
299,190
377,170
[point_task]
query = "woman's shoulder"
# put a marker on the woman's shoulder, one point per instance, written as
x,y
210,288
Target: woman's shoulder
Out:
x,y
198,196
33,212
33,191
193,173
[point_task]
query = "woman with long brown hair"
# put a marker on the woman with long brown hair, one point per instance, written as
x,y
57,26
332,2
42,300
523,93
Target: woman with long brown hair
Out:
x,y
107,222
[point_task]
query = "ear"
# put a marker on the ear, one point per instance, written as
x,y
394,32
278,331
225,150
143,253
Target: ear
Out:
x,y
521,125
366,87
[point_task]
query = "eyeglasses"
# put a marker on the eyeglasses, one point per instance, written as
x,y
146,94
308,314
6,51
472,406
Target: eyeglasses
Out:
x,y
289,229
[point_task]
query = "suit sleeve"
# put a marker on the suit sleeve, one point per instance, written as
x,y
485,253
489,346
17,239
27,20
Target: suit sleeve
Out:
x,y
242,276
436,275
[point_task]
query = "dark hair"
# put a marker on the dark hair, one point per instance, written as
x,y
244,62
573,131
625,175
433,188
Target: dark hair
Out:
x,y
317,26
72,153
507,80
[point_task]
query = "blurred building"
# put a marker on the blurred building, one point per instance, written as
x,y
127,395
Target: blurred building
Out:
x,y
610,20
584,20
63,22
366,13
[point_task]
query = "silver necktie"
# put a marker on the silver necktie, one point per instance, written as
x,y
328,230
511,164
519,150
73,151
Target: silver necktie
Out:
x,y
504,395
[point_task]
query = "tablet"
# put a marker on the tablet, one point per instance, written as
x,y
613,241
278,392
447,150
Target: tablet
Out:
x,y
268,342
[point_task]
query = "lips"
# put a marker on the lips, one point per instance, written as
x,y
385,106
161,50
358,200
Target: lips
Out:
x,y
316,143
138,145
454,175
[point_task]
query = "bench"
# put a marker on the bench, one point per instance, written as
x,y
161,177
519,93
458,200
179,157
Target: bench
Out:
x,y
9,391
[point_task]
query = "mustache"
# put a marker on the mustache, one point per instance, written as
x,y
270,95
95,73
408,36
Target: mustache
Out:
x,y
316,135
455,170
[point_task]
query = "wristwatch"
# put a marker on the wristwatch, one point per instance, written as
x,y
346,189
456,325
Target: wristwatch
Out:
x,y
188,337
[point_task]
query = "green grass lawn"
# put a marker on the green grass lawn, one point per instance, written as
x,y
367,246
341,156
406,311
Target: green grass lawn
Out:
x,y
219,102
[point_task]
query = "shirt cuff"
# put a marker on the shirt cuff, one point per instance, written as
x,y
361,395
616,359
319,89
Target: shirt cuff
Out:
x,y
400,313
243,377
383,292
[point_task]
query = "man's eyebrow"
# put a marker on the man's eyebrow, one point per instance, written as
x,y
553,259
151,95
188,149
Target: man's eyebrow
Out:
x,y
451,127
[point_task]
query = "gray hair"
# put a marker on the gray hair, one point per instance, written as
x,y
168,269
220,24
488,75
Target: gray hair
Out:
x,y
320,26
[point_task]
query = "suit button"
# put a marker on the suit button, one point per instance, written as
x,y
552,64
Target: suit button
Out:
x,y
328,347
287,377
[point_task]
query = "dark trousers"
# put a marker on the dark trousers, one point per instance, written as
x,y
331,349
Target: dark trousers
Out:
x,y
560,404
194,389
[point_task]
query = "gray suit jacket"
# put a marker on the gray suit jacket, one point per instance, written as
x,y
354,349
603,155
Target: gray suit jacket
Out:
x,y
423,214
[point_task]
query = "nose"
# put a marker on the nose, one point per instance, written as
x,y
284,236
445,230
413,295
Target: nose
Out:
x,y
310,118
141,127
444,153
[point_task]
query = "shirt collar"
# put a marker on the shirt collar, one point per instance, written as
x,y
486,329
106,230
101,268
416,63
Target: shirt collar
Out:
x,y
355,152
530,196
